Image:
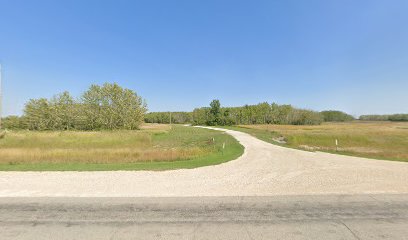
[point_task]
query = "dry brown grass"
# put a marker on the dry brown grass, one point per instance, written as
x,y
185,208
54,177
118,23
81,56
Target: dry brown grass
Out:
x,y
155,127
385,140
153,142
116,155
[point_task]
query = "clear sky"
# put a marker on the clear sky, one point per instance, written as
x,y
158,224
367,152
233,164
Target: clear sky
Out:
x,y
350,55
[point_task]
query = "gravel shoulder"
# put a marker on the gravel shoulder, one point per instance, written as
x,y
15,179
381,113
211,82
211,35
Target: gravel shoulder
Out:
x,y
263,170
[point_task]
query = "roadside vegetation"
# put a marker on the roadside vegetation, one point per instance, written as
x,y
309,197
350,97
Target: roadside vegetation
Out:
x,y
106,107
102,130
154,147
379,140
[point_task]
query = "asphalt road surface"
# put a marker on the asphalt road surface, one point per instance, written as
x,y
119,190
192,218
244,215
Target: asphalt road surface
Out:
x,y
278,217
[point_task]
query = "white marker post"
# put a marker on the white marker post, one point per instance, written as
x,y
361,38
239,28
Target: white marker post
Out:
x,y
337,144
223,147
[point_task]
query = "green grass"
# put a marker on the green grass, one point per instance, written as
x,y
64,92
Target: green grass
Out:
x,y
156,147
264,135
377,140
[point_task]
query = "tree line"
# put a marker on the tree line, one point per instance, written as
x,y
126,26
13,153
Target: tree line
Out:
x,y
262,113
105,107
392,117
336,116
112,107
169,117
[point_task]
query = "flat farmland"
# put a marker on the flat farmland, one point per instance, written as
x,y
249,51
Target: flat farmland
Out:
x,y
154,147
378,140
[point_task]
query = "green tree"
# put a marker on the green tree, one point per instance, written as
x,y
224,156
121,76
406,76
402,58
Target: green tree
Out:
x,y
62,111
100,107
336,116
37,114
215,113
113,107
12,122
92,110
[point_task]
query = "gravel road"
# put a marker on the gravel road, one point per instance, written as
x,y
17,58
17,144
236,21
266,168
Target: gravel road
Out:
x,y
263,170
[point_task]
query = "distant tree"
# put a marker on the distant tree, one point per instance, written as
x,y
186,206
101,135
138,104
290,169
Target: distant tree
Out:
x,y
37,114
13,122
62,111
394,117
164,117
201,116
305,117
263,113
284,114
374,117
398,117
92,101
336,116
215,113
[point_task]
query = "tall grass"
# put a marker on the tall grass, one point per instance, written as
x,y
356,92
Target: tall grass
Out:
x,y
381,140
152,144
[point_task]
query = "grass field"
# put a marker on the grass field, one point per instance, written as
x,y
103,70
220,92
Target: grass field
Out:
x,y
155,147
379,140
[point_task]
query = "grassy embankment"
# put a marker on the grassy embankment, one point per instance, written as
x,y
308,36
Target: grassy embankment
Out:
x,y
378,140
155,147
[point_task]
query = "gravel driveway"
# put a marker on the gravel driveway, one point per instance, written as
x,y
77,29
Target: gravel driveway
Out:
x,y
263,170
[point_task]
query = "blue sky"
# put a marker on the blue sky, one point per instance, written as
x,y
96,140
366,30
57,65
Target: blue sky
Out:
x,y
341,54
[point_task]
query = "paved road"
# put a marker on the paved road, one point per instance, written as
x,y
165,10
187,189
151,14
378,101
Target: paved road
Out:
x,y
279,217
263,170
